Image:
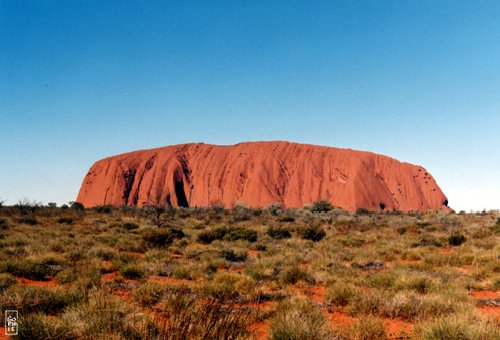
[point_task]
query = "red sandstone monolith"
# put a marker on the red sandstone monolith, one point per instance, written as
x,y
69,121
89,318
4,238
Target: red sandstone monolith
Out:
x,y
259,174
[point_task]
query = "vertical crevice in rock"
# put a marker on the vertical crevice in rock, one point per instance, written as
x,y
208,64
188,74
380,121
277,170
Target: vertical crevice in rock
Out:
x,y
179,189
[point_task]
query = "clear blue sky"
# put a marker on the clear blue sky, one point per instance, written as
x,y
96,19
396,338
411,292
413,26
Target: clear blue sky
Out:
x,y
415,80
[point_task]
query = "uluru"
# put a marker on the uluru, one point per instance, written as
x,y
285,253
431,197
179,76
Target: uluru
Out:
x,y
259,174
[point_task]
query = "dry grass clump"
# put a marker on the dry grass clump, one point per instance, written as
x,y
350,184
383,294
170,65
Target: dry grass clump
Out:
x,y
299,319
454,327
342,293
189,318
367,328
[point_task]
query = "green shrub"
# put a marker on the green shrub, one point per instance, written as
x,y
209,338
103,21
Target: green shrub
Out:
x,y
132,272
232,256
161,237
286,219
29,220
278,233
320,206
104,209
313,233
77,206
234,234
456,239
65,220
228,234
130,226
362,211
428,241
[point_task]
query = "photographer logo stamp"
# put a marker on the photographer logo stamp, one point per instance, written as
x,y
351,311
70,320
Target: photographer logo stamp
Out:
x,y
11,326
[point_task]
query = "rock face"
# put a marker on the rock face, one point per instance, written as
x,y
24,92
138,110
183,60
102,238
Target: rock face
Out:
x,y
259,174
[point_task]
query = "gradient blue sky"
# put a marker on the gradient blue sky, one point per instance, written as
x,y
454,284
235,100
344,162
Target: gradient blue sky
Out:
x,y
415,80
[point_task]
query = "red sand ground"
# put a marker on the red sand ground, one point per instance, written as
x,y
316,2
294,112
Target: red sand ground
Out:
x,y
318,294
2,334
339,319
171,280
109,277
446,251
485,294
493,311
395,328
27,282
252,252
260,174
261,330
489,311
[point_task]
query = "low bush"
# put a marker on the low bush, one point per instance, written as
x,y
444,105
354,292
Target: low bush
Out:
x,y
132,272
362,211
104,209
456,239
286,219
428,241
228,234
161,237
234,234
29,220
233,256
320,206
278,233
313,233
129,226
65,220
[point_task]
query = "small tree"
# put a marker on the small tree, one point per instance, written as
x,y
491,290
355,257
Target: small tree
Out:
x,y
159,214
76,206
320,206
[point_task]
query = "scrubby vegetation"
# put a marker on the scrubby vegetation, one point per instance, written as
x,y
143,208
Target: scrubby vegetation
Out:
x,y
214,273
